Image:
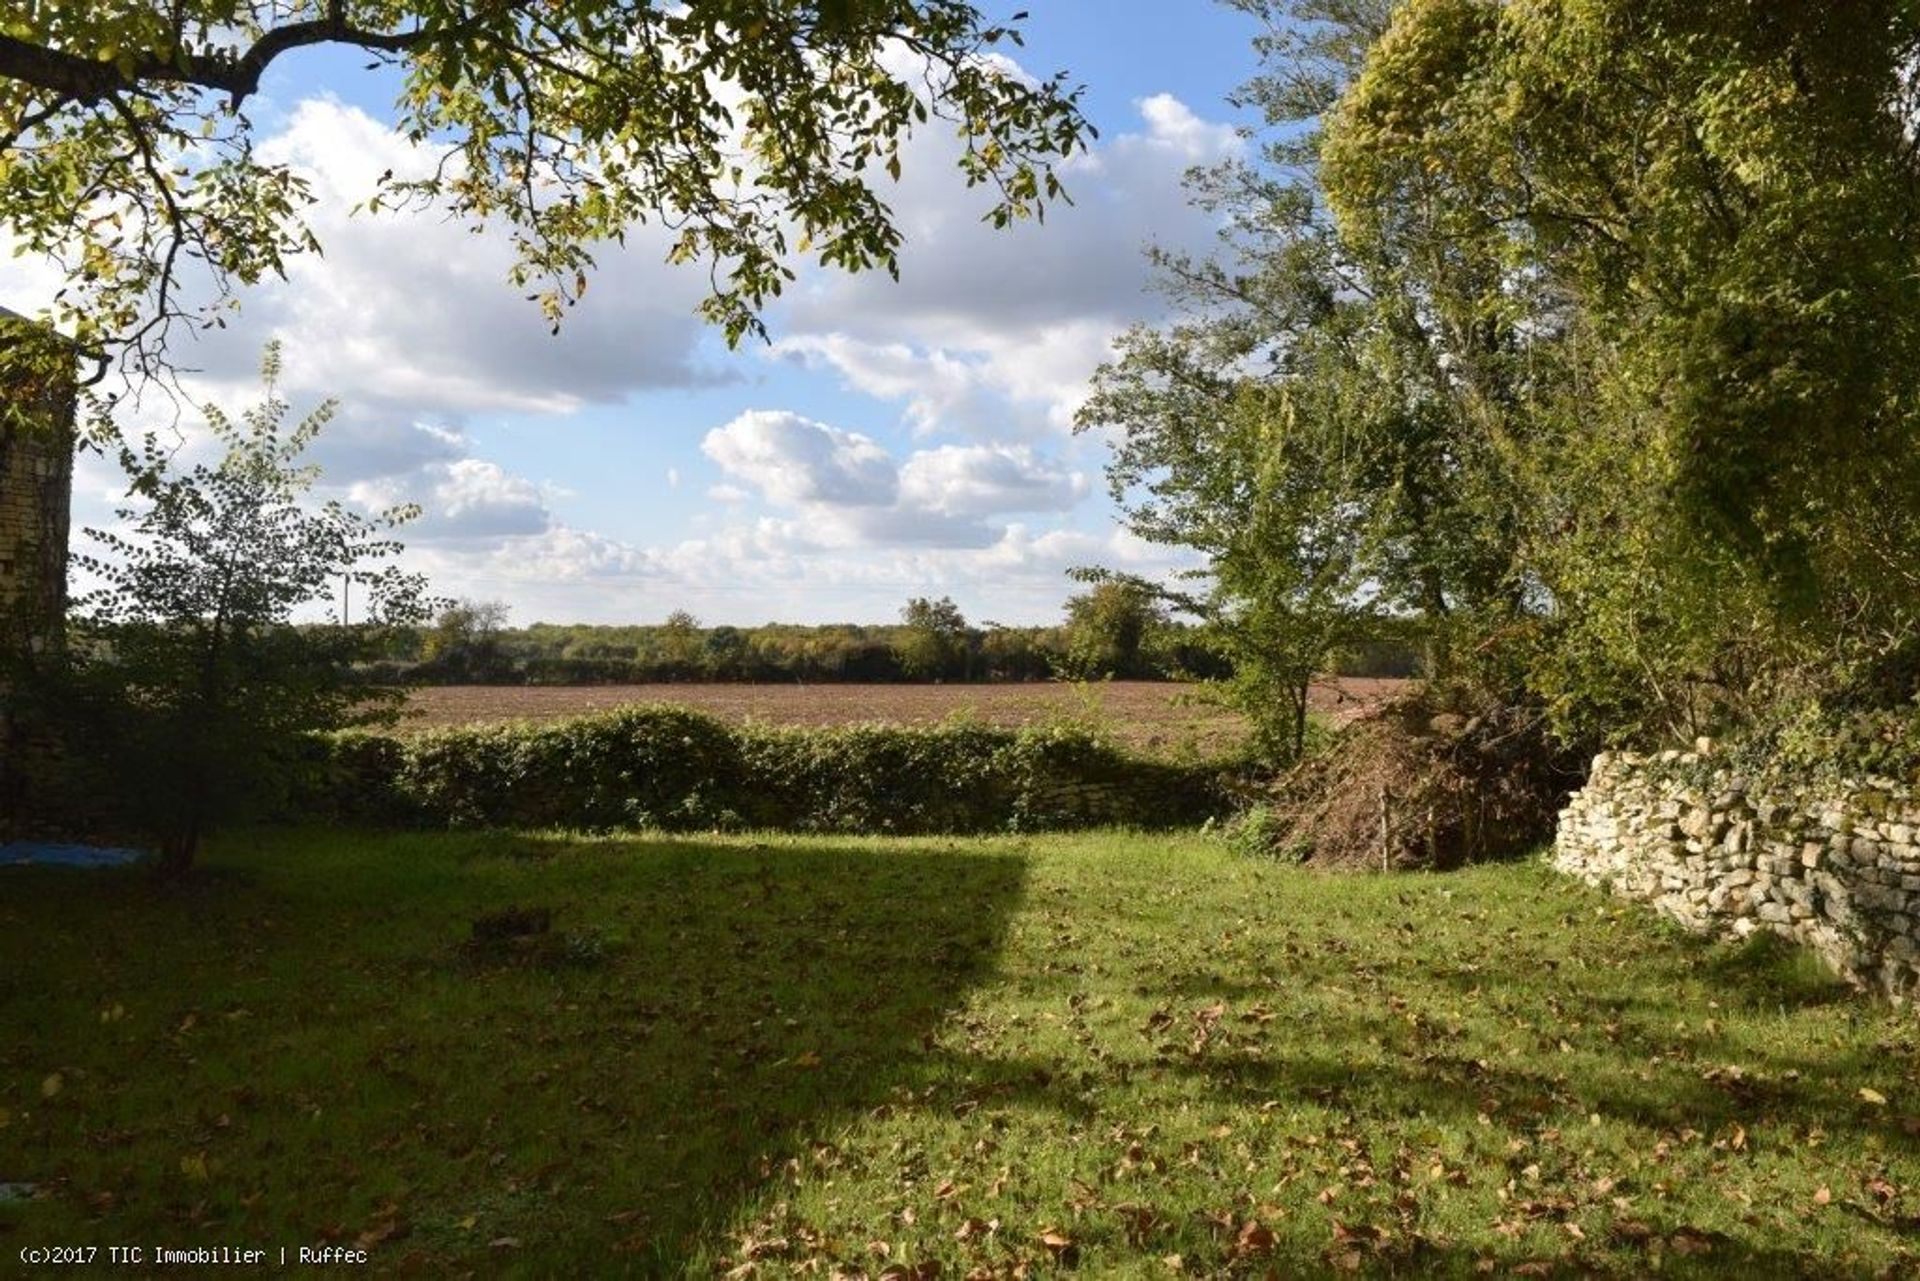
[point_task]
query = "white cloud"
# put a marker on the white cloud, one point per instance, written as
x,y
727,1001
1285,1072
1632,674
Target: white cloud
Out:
x,y
359,446
792,459
986,480
984,348
1171,123
852,492
469,498
994,334
410,310
1022,384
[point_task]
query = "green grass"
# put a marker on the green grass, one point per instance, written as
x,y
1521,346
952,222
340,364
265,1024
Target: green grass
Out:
x,y
854,1055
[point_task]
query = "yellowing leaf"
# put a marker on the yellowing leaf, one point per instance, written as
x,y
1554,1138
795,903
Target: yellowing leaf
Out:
x,y
195,1167
52,1085
1873,1096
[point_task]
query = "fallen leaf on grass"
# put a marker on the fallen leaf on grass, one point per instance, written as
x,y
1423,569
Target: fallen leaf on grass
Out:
x,y
1873,1096
1357,1233
1142,1221
924,1271
1254,1239
52,1085
1690,1241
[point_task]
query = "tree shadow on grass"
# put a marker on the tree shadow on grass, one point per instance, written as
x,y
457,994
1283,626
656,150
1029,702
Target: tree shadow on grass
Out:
x,y
605,1106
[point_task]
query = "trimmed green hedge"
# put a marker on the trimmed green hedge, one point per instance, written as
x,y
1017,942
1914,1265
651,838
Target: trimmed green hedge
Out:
x,y
669,768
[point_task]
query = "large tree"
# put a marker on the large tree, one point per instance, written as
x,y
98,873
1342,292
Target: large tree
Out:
x,y
1302,421
1584,331
755,128
1696,232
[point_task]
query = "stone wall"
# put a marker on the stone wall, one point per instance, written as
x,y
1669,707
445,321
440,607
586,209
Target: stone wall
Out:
x,y
36,487
1835,867
36,483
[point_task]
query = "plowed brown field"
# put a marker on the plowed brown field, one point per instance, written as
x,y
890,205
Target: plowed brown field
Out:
x,y
1149,714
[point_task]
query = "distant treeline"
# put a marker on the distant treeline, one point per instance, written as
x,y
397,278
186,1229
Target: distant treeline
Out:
x,y
1108,634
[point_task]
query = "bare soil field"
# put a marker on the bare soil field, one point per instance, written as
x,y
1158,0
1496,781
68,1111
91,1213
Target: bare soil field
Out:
x,y
1155,715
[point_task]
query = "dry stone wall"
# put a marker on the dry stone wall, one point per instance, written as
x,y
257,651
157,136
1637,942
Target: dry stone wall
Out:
x,y
1833,866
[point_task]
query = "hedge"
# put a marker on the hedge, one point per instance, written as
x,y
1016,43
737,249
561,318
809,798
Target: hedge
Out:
x,y
668,768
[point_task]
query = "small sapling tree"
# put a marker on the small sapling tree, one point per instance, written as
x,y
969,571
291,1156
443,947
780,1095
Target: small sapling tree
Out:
x,y
196,686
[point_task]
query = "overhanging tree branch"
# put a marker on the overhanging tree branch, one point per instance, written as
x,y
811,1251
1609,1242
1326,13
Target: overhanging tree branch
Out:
x,y
89,80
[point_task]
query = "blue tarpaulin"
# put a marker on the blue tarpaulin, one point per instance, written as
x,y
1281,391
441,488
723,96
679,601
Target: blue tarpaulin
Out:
x,y
43,855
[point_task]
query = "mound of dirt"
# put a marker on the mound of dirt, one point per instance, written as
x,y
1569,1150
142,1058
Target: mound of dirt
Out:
x,y
1432,779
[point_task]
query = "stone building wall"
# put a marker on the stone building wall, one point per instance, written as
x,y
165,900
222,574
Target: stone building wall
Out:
x,y
36,489
1833,866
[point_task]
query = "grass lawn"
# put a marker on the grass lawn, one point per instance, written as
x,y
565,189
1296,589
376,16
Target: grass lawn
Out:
x,y
1114,1054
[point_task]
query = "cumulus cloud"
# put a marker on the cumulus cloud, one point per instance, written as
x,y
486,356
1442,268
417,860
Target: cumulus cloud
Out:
x,y
792,459
994,334
408,310
984,347
986,480
1173,126
854,493
359,446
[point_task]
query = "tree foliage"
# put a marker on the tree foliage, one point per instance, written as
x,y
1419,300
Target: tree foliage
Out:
x,y
194,691
755,129
1579,334
933,639
464,640
610,654
1295,422
1691,235
1109,628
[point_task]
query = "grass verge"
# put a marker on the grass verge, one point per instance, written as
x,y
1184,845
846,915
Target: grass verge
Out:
x,y
1125,1055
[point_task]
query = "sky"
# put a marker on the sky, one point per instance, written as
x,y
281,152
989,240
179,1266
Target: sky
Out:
x,y
891,440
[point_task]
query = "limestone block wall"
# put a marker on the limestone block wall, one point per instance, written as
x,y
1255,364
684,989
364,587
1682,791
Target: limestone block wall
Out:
x,y
36,486
36,482
1833,866
36,489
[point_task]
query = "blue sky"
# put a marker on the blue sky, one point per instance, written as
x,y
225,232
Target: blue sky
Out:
x,y
891,441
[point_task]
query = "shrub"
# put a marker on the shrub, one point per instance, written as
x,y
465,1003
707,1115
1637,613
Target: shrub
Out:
x,y
637,767
671,769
